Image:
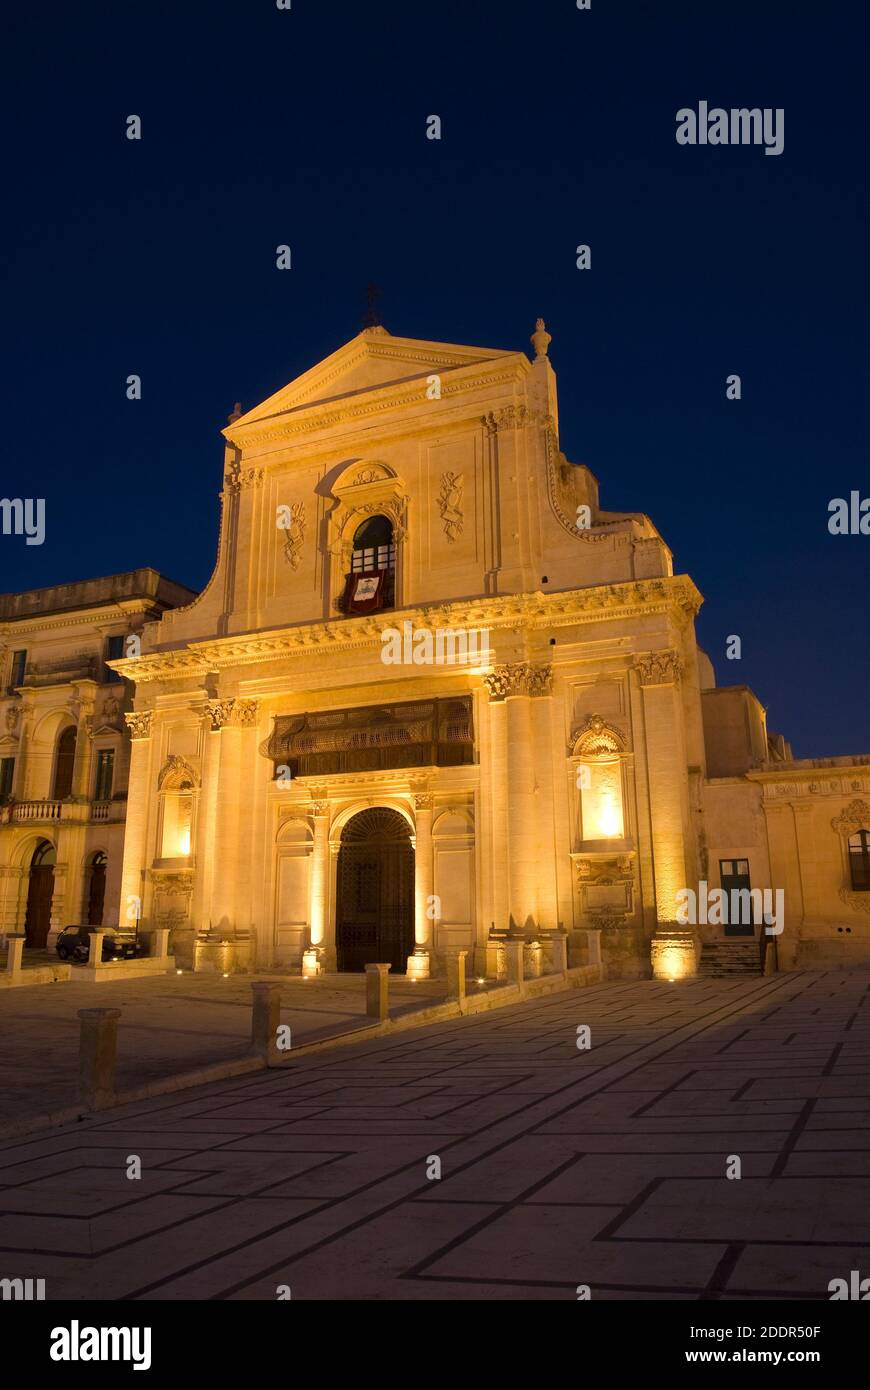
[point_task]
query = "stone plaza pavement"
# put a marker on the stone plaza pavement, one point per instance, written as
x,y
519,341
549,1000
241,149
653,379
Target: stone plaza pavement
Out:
x,y
559,1167
169,1024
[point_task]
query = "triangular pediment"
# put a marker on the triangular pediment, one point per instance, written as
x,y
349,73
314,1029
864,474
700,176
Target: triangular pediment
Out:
x,y
374,359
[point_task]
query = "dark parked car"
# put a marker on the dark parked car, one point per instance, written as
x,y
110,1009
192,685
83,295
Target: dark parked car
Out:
x,y
74,943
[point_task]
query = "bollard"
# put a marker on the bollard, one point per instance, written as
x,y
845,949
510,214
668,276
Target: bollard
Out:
x,y
515,961
95,947
378,991
14,948
593,939
98,1048
456,976
265,1020
158,946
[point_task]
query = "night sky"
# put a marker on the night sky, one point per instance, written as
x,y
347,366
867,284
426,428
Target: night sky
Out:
x,y
308,127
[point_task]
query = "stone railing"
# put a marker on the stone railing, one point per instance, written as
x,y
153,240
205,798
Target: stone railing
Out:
x,y
36,810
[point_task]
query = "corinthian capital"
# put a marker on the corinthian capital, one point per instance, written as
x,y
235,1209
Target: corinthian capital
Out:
x,y
659,668
519,678
139,723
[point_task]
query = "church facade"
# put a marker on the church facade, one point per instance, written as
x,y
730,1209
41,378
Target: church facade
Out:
x,y
434,695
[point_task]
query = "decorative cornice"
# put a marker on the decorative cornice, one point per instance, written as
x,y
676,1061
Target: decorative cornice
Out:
x,y
306,419
532,612
659,668
139,723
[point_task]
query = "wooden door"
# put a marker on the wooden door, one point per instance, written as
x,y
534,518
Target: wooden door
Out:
x,y
39,895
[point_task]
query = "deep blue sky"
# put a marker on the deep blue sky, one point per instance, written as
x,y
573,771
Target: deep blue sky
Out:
x,y
308,127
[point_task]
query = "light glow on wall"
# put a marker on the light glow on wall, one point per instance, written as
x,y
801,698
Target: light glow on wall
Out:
x,y
601,802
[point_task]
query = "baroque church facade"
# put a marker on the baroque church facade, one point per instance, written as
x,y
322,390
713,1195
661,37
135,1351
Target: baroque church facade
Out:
x,y
295,794
434,695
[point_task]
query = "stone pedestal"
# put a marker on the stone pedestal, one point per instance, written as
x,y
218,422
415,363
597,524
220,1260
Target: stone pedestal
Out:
x,y
311,966
418,967
515,950
496,960
675,952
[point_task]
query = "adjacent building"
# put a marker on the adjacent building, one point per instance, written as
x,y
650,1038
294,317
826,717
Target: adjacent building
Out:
x,y
64,747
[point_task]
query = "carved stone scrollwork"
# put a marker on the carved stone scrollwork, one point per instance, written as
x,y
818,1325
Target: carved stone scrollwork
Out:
x,y
294,535
595,737
139,723
12,716
219,712
176,768
241,713
659,668
424,802
519,678
450,505
245,713
855,817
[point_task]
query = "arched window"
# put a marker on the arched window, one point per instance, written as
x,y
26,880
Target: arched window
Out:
x,y
373,546
371,584
63,764
859,861
96,889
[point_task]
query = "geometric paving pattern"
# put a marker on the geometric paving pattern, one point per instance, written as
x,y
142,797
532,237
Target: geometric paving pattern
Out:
x,y
559,1167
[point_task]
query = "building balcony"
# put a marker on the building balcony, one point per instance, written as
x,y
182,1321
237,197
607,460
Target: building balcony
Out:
x,y
48,811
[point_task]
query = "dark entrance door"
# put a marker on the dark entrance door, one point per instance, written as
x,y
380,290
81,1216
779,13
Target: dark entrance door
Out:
x,y
97,890
39,894
375,907
734,876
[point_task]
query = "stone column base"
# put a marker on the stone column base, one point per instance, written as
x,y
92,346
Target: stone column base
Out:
x,y
674,953
418,966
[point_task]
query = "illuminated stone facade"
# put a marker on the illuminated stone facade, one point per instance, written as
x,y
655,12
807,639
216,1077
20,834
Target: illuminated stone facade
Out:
x,y
575,771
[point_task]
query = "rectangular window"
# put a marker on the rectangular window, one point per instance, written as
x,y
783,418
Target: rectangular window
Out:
x,y
114,652
19,664
7,777
105,773
734,878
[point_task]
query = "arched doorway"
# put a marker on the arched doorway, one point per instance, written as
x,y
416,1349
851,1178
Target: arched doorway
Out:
x,y
40,890
96,889
374,918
